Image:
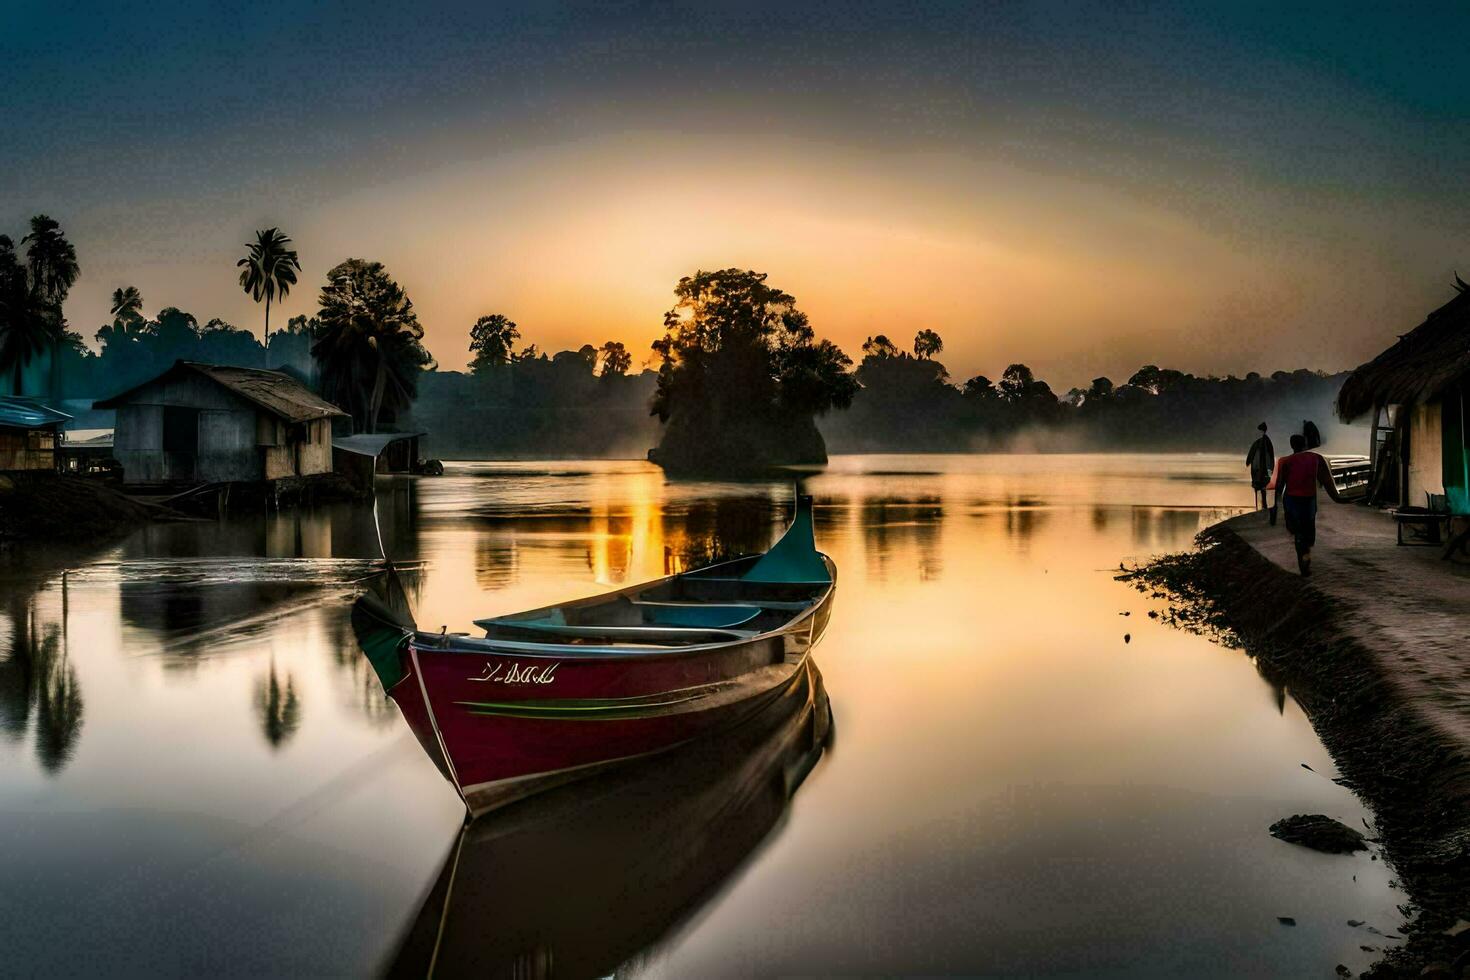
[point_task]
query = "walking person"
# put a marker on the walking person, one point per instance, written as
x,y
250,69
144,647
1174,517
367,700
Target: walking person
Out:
x,y
1262,462
1297,479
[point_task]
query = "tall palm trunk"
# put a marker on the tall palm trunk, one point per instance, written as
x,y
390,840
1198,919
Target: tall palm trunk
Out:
x,y
266,353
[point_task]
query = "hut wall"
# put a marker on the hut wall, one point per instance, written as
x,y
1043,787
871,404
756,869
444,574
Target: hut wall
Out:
x,y
227,448
27,449
280,460
1426,453
301,451
225,445
137,442
316,452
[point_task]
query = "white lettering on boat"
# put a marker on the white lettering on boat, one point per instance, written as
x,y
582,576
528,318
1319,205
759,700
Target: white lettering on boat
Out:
x,y
499,673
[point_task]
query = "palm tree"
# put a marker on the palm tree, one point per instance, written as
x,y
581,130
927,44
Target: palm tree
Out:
x,y
25,329
268,270
52,263
52,260
127,303
368,342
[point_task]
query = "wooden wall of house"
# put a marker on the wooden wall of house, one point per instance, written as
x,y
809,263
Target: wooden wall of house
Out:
x,y
226,444
1426,453
27,449
316,455
293,455
227,448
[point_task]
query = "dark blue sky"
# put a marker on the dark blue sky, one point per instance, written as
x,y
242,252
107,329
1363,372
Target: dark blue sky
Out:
x,y
161,133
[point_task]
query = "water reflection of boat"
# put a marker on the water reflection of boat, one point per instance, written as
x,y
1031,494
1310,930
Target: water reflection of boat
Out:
x,y
555,694
578,880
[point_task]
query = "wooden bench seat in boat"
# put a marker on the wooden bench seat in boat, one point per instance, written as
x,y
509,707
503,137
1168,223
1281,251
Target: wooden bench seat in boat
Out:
x,y
633,615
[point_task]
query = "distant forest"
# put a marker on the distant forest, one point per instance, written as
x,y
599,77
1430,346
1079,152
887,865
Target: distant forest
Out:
x,y
588,403
908,404
560,406
363,351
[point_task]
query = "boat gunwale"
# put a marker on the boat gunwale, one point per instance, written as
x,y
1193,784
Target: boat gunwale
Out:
x,y
484,646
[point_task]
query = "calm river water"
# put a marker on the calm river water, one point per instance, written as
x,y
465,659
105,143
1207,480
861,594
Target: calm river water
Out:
x,y
200,774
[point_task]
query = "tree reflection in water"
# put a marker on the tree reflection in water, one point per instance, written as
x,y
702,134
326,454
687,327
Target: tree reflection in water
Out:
x,y
714,529
363,690
897,527
278,707
37,681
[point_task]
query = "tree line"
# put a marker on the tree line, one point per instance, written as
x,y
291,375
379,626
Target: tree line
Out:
x,y
908,403
741,379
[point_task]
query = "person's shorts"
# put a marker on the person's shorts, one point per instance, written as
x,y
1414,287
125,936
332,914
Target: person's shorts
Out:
x,y
1301,519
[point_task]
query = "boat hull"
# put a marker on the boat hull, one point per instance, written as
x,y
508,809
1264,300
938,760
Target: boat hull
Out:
x,y
503,725
645,846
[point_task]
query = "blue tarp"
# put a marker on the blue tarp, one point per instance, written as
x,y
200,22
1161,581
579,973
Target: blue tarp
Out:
x,y
27,413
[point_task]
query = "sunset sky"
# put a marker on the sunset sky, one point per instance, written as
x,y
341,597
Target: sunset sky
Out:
x,y
1216,188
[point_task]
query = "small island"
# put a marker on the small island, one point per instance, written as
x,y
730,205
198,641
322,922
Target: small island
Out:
x,y
743,378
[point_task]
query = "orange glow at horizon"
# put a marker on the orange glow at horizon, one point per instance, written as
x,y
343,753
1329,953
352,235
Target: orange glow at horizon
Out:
x,y
583,242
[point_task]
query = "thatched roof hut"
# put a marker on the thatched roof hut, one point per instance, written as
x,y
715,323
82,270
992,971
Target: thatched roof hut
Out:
x,y
1420,386
1423,364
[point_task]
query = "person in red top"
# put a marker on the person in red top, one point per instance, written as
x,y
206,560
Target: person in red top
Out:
x,y
1297,478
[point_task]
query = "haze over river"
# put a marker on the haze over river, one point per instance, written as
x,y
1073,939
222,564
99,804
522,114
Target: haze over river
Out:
x,y
199,772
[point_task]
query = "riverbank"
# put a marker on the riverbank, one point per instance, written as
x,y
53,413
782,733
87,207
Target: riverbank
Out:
x,y
47,507
1374,647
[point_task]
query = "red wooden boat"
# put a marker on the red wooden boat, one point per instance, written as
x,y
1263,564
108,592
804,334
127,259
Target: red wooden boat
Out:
x,y
558,693
576,881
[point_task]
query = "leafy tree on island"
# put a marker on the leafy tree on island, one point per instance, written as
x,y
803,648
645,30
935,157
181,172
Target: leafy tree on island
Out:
x,y
492,340
879,348
268,270
927,345
616,361
368,344
743,376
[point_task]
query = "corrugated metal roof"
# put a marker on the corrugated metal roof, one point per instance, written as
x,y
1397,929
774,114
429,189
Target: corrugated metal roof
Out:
x,y
27,413
372,443
278,393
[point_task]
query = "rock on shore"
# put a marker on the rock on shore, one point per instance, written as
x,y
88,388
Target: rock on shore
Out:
x,y
1320,833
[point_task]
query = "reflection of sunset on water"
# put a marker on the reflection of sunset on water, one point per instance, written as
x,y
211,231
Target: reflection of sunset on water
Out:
x,y
991,722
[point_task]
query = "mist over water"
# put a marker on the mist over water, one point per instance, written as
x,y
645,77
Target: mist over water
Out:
x,y
198,771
